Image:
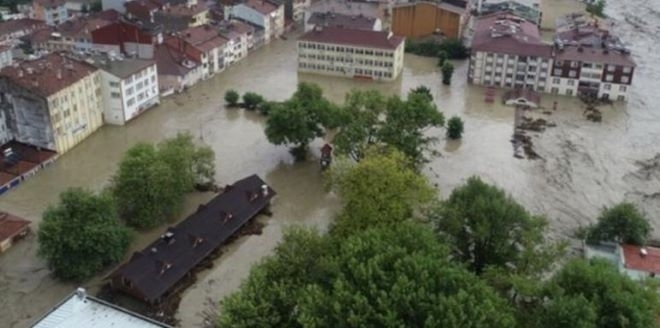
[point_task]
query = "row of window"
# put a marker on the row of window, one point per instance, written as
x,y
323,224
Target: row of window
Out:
x,y
340,59
358,71
349,50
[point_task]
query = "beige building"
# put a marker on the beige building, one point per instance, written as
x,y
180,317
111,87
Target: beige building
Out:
x,y
351,53
53,102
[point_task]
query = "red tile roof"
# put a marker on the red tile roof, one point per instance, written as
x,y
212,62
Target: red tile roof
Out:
x,y
353,37
504,33
11,225
634,260
204,37
16,25
186,10
41,75
262,6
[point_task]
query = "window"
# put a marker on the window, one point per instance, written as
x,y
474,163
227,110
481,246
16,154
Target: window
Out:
x,y
574,64
607,86
627,70
569,92
114,84
621,98
609,77
625,79
557,71
572,74
129,91
610,68
115,95
130,102
570,82
623,88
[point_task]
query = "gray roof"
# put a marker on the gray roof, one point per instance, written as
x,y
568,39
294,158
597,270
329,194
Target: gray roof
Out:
x,y
121,68
81,310
330,19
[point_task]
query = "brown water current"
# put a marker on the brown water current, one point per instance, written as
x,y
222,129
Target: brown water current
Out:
x,y
584,165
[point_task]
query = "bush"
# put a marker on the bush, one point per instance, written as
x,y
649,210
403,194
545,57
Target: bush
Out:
x,y
452,48
597,8
455,128
447,72
442,58
252,100
231,97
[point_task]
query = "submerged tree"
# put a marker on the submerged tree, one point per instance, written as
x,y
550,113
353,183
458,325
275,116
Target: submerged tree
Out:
x,y
82,234
447,72
455,128
623,223
232,97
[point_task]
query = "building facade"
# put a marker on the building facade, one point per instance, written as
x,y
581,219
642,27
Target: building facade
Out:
x,y
351,53
637,262
421,19
54,102
5,56
238,37
11,31
129,87
53,12
263,13
176,71
204,45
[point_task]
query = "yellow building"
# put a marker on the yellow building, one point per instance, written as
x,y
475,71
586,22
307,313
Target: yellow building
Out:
x,y
53,102
421,19
362,54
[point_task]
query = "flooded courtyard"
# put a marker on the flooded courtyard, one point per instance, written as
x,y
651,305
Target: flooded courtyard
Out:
x,y
583,167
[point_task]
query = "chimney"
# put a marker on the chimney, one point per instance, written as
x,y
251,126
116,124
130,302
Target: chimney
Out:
x,y
264,190
81,294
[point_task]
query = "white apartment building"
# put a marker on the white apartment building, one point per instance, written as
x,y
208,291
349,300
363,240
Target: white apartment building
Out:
x,y
54,102
262,13
53,12
129,86
5,56
238,37
351,53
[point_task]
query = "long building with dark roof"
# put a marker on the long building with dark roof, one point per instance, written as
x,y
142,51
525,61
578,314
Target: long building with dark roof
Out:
x,y
151,274
351,53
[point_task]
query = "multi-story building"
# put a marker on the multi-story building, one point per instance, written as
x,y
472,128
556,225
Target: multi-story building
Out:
x,y
53,12
263,13
129,86
351,53
176,71
238,35
204,45
128,38
421,19
5,56
331,19
72,35
11,31
507,52
53,102
529,11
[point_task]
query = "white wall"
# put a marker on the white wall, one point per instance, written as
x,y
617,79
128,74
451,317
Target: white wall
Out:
x,y
5,58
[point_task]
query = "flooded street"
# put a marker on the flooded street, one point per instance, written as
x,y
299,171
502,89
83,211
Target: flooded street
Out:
x,y
584,165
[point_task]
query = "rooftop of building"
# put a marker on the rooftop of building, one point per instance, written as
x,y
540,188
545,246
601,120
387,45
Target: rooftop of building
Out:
x,y
367,9
15,25
119,66
185,10
171,61
81,310
353,37
646,259
330,19
203,37
509,34
455,6
81,27
525,11
47,75
18,158
156,269
233,28
11,225
594,55
264,7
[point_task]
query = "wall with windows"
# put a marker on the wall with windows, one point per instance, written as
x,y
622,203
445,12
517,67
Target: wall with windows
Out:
x,y
350,61
124,99
510,71
5,57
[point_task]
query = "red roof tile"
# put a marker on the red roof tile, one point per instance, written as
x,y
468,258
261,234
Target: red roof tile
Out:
x,y
11,225
262,6
353,37
15,25
44,79
204,37
634,260
594,55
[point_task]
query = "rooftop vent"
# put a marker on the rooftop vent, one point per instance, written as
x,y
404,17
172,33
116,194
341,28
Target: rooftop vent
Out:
x,y
81,293
264,190
643,252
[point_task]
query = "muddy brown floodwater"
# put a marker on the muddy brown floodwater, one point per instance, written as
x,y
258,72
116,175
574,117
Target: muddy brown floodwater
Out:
x,y
584,165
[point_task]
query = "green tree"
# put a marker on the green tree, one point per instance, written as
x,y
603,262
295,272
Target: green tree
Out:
x,y
598,287
252,100
454,49
82,234
300,119
231,97
488,228
96,7
447,72
455,128
596,8
423,90
361,119
393,276
147,189
194,165
382,189
623,223
442,58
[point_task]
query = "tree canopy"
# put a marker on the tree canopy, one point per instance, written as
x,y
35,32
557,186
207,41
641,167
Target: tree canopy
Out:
x,y
455,128
488,228
82,234
232,97
382,189
622,223
390,276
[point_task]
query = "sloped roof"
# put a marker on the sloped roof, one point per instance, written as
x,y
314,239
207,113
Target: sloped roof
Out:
x,y
330,19
505,33
170,60
262,6
156,269
16,25
204,37
634,260
353,37
11,225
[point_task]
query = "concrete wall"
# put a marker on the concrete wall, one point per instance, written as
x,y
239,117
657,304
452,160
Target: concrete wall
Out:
x,y
509,71
422,19
113,112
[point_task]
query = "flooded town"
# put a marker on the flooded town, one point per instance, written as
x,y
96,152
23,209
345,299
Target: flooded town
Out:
x,y
580,166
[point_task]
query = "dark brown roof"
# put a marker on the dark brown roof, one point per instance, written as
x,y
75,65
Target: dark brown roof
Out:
x,y
49,74
508,34
156,269
353,37
169,60
15,25
594,55
262,6
204,37
330,19
11,225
